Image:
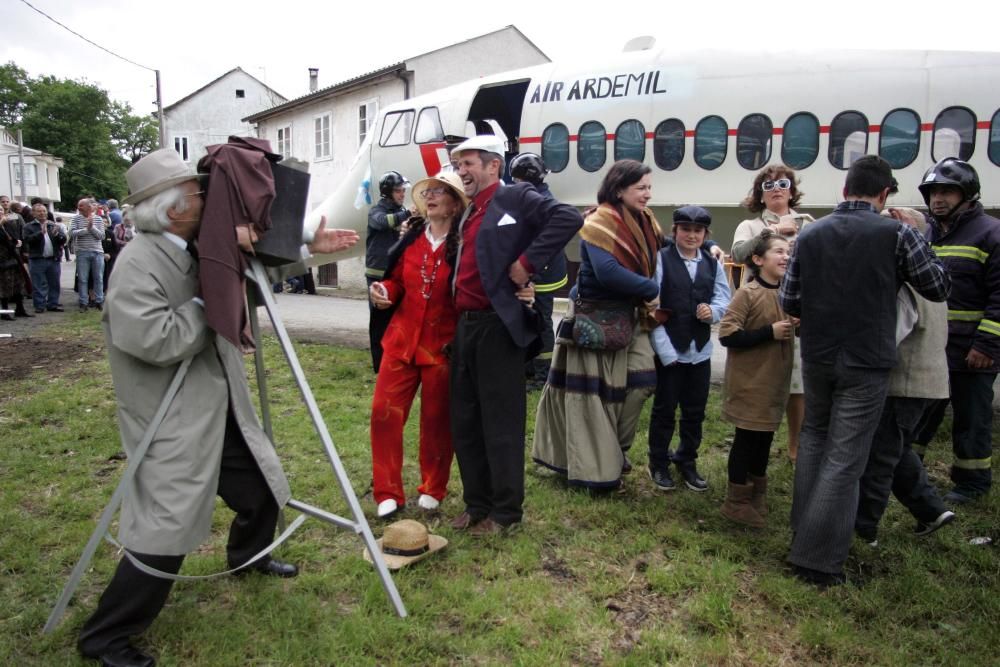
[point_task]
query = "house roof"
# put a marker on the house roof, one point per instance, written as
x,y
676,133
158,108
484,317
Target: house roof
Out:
x,y
8,144
368,77
216,80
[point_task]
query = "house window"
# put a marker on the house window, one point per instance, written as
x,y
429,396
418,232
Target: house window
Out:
x,y
30,174
366,118
321,127
240,93
285,141
181,146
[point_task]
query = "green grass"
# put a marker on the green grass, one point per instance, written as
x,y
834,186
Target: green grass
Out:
x,y
634,578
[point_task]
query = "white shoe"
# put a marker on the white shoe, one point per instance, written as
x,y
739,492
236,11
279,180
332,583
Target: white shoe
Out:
x,y
428,502
387,508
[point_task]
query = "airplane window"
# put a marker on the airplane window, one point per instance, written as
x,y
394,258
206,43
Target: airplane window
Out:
x,y
899,138
592,146
848,138
630,141
668,144
396,128
428,126
994,150
710,142
954,134
753,141
555,147
800,140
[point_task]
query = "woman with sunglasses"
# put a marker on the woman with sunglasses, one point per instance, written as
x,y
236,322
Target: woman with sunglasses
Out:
x,y
773,197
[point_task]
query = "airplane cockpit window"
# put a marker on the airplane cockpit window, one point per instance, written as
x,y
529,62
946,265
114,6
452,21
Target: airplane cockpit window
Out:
x,y
428,126
800,140
668,144
848,138
396,128
555,147
711,142
899,138
630,141
592,146
994,149
954,134
753,141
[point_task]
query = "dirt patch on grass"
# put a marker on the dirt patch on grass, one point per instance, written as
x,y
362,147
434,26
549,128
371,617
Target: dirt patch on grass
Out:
x,y
638,606
21,357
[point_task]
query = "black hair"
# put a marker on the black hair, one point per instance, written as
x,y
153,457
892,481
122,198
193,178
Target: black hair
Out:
x,y
868,177
761,244
622,175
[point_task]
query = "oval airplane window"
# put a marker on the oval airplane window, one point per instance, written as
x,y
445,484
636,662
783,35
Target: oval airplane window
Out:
x,y
668,144
954,134
555,147
630,141
848,138
591,146
711,138
428,126
753,141
800,140
994,150
396,128
899,138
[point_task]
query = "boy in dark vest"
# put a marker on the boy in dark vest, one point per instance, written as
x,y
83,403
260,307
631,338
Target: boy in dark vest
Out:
x,y
694,293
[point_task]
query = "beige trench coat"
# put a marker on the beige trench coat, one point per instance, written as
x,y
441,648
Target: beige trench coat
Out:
x,y
151,324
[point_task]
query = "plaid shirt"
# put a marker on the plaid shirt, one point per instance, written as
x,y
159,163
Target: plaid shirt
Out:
x,y
916,264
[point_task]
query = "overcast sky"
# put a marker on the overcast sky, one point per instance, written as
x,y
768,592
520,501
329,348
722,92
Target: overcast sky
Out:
x,y
194,41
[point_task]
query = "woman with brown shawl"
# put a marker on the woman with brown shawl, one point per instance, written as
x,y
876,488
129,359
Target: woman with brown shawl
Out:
x,y
590,406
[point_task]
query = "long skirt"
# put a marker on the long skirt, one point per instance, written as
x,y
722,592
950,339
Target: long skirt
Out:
x,y
590,408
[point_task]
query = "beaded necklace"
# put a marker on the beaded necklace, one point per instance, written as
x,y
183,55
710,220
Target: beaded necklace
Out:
x,y
428,278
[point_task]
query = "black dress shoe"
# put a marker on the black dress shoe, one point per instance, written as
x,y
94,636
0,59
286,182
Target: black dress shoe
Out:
x,y
128,656
689,473
56,309
270,568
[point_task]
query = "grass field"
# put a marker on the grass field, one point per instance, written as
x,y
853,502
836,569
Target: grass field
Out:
x,y
634,578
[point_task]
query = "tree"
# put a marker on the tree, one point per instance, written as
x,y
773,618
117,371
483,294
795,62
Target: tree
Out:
x,y
13,94
133,136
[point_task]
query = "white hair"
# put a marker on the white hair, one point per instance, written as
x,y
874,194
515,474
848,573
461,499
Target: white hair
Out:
x,y
150,215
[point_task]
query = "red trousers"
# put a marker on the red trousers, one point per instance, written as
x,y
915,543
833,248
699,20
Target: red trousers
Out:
x,y
394,391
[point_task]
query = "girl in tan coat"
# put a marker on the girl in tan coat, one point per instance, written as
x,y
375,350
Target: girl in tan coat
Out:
x,y
758,336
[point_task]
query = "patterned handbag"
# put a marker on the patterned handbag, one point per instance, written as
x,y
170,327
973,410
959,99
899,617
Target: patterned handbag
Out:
x,y
603,325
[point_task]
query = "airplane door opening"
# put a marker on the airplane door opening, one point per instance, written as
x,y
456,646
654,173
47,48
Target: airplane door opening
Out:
x,y
502,104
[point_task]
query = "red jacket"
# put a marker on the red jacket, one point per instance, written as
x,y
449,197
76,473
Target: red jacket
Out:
x,y
420,327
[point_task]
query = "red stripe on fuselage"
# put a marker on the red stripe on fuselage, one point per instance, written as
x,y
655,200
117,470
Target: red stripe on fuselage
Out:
x,y
429,154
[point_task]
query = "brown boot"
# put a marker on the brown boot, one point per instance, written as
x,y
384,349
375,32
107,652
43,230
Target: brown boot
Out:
x,y
759,497
738,508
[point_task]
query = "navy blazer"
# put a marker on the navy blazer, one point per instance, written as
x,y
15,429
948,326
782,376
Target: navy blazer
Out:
x,y
519,221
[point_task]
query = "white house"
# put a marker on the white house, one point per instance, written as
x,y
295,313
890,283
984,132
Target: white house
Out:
x,y
327,126
213,113
41,172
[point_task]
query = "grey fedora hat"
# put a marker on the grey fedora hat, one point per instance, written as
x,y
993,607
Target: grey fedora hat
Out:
x,y
158,171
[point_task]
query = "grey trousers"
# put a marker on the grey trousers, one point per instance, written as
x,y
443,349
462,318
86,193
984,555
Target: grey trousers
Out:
x,y
843,406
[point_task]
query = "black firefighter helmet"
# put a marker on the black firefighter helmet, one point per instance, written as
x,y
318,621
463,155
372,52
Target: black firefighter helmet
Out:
x,y
951,171
528,167
389,181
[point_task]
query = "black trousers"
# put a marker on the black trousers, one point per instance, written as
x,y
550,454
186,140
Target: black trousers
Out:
x,y
538,368
378,322
133,599
685,385
488,407
894,466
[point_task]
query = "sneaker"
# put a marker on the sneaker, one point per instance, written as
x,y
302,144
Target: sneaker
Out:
x,y
661,479
689,473
429,503
387,508
929,527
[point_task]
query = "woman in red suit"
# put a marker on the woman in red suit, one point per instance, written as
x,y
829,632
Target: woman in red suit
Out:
x,y
413,349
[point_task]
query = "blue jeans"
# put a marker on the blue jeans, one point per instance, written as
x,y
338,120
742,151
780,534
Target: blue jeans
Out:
x,y
45,272
89,262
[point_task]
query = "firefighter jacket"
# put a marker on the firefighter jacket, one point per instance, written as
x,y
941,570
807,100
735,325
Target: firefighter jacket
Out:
x,y
384,220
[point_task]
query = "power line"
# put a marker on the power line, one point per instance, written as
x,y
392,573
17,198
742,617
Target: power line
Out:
x,y
62,25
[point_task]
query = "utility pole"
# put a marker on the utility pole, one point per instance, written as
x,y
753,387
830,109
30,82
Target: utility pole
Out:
x,y
159,112
20,162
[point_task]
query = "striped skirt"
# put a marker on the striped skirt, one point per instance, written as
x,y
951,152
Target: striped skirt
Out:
x,y
589,410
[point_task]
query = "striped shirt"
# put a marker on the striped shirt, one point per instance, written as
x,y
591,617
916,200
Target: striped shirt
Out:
x,y
88,239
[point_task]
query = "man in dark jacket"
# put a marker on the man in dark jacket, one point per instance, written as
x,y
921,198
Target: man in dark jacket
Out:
x,y
968,243
45,241
842,282
506,234
384,220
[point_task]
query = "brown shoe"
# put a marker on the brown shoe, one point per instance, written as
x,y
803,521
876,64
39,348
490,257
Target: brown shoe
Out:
x,y
737,506
759,497
486,527
462,521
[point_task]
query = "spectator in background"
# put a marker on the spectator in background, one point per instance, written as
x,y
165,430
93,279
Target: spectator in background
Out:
x,y
87,231
45,241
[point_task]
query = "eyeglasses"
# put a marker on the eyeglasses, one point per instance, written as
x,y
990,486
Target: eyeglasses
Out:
x,y
195,194
436,192
781,184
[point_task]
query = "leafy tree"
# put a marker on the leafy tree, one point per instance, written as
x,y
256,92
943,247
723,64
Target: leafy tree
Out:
x,y
133,136
13,94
